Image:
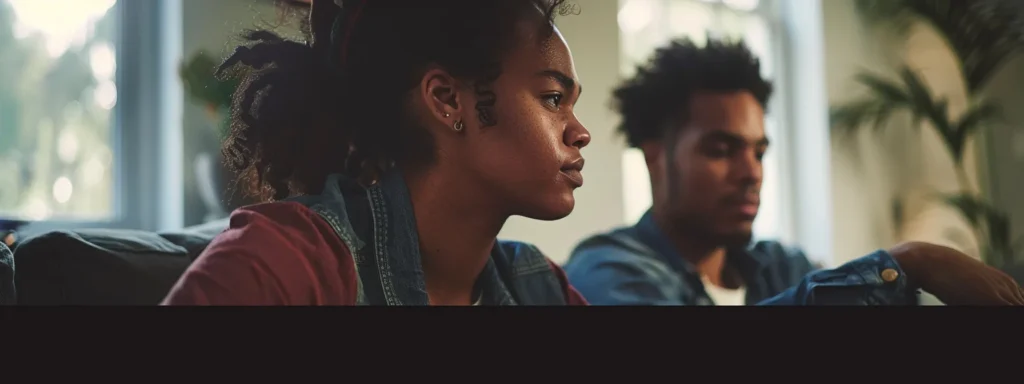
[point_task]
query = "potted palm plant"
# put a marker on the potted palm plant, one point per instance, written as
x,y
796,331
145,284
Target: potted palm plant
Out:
x,y
213,94
982,35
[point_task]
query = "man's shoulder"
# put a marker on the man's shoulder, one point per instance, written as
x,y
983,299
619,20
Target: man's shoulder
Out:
x,y
622,237
786,263
618,247
775,252
618,268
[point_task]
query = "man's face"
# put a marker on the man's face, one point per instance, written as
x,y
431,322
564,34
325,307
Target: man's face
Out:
x,y
707,179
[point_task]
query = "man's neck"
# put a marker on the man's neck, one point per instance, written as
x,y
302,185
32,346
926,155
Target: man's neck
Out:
x,y
456,235
708,258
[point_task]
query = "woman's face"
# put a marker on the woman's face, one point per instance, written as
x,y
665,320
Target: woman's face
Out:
x,y
521,141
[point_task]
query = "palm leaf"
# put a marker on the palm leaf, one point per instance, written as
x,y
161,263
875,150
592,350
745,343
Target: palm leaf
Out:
x,y
979,115
969,207
891,13
198,75
886,97
998,228
991,225
973,120
983,34
918,93
886,89
882,114
849,117
935,111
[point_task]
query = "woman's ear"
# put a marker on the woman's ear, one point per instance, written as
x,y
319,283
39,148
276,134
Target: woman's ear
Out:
x,y
440,94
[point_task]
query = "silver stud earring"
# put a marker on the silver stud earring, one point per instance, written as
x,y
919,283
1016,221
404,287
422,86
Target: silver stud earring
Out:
x,y
458,126
446,115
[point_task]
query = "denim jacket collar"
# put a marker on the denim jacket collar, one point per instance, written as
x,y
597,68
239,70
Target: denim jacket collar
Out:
x,y
748,264
390,246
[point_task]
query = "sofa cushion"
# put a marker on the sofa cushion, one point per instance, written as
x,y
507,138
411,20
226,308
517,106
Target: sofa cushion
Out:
x,y
106,266
195,239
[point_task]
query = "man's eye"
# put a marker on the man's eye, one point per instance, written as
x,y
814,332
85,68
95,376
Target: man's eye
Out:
x,y
553,101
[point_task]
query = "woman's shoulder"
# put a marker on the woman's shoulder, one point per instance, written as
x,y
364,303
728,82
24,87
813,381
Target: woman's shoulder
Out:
x,y
281,247
526,257
284,233
276,216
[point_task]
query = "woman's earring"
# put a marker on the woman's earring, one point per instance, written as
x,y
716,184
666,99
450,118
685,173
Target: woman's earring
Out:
x,y
446,115
458,125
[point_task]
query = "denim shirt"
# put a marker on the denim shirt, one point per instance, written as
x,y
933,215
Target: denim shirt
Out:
x,y
377,224
639,266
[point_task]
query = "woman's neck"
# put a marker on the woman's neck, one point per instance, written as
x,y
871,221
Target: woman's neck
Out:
x,y
457,230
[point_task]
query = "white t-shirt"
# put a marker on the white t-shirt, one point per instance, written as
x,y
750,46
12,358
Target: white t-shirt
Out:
x,y
725,296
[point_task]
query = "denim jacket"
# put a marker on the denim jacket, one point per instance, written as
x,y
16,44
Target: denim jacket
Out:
x,y
638,266
378,225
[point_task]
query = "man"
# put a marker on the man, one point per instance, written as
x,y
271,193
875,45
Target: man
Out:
x,y
697,113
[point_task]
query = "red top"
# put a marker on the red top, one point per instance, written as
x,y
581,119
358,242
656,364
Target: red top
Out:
x,y
278,254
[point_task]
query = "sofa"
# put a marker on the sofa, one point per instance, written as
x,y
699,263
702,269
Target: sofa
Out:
x,y
106,266
116,267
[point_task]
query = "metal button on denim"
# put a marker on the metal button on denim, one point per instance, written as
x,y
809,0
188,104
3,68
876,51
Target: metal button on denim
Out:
x,y
889,275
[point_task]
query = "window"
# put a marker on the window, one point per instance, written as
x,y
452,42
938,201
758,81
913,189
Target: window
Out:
x,y
646,25
57,95
87,113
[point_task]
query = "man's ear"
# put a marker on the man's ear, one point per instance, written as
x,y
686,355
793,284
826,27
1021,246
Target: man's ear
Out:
x,y
440,94
654,154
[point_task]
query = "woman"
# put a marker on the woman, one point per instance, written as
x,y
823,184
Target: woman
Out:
x,y
395,145
458,115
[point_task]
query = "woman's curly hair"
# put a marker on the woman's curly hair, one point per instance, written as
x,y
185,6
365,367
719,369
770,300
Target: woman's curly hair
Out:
x,y
337,102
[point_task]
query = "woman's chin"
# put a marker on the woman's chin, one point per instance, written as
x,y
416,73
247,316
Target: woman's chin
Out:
x,y
553,209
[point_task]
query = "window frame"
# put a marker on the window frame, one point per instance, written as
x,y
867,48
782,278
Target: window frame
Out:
x,y
801,30
146,141
780,107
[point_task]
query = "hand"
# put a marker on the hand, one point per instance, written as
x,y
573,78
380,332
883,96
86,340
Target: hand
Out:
x,y
955,278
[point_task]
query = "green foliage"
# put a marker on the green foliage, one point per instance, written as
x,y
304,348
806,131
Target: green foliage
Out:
x,y
911,95
198,74
992,227
983,35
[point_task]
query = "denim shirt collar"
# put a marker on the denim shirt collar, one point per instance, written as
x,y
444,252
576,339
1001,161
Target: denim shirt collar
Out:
x,y
396,252
749,264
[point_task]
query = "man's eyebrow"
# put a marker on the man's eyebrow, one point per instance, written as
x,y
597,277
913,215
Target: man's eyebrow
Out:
x,y
731,138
